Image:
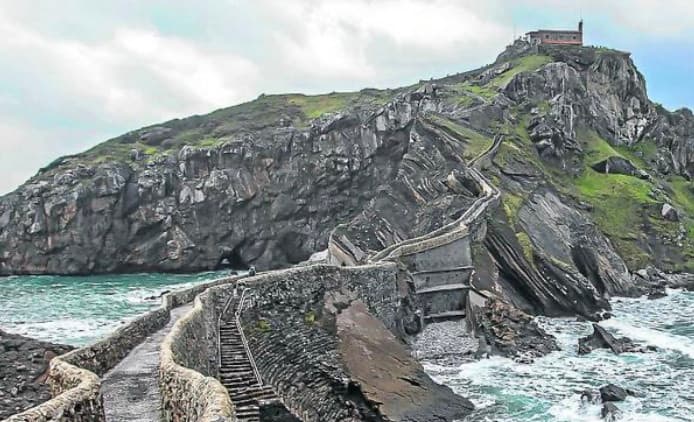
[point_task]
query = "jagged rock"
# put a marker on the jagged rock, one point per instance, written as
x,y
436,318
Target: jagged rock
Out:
x,y
511,332
611,392
279,180
601,339
590,396
657,292
610,412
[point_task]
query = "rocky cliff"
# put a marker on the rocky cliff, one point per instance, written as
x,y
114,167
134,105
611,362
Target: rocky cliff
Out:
x,y
595,180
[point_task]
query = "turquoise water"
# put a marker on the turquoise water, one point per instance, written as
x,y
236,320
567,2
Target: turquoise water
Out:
x,y
549,389
80,310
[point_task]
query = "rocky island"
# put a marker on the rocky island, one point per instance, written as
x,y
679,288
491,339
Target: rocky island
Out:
x,y
545,183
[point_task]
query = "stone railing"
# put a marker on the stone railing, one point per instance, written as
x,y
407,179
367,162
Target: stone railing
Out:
x,y
244,341
451,231
188,394
77,396
74,377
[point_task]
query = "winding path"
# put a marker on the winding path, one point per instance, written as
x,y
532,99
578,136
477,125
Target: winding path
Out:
x,y
131,389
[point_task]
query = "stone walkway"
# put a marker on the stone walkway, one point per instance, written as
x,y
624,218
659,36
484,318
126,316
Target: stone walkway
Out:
x,y
131,389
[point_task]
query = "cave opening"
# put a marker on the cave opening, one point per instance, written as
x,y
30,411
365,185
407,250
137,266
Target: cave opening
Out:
x,y
233,260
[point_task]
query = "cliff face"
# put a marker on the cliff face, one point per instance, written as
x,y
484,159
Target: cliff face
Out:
x,y
264,183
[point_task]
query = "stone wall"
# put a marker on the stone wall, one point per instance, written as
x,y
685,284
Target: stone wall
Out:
x,y
188,394
76,398
75,376
285,323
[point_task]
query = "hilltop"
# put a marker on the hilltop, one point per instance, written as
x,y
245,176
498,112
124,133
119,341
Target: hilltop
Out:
x,y
585,153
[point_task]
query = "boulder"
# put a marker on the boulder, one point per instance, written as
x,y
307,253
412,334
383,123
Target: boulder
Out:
x,y
669,213
657,292
610,412
512,333
616,165
601,339
611,392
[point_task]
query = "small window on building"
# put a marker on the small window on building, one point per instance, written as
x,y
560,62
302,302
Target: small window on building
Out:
x,y
574,37
546,35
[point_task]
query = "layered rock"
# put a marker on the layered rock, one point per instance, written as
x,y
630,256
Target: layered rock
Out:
x,y
265,182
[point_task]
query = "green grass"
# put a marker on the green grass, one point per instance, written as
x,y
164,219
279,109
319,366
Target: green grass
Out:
x,y
263,326
522,64
597,149
527,246
683,193
594,185
621,206
315,106
310,318
476,143
512,204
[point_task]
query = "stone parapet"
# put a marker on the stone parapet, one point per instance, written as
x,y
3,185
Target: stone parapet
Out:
x,y
188,394
75,376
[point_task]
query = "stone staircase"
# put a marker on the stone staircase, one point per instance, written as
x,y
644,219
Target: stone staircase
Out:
x,y
444,291
236,371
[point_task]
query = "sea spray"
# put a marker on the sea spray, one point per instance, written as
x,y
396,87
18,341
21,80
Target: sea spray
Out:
x,y
549,389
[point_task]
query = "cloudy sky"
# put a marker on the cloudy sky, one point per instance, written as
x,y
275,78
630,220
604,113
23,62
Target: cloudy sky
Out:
x,y
76,72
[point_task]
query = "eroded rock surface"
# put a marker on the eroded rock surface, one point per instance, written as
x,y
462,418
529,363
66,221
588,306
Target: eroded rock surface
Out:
x,y
265,182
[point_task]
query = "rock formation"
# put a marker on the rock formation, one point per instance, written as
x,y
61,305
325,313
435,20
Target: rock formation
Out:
x,y
23,368
593,178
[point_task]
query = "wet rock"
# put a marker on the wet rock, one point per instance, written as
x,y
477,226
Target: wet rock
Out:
x,y
611,392
513,333
657,292
610,412
601,339
590,396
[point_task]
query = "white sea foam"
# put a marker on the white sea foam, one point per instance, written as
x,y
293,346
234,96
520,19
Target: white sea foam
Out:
x,y
652,337
548,390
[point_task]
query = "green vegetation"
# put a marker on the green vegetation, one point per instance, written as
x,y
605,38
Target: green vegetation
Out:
x,y
526,244
518,65
219,126
623,206
310,318
521,64
512,204
263,326
476,143
597,149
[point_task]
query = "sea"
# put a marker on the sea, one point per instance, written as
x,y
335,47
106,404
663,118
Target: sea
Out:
x,y
80,310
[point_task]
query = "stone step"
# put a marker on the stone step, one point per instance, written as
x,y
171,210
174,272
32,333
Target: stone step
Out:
x,y
442,316
444,270
236,385
261,393
443,288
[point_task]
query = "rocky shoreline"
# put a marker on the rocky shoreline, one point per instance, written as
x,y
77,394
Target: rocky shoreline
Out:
x,y
23,367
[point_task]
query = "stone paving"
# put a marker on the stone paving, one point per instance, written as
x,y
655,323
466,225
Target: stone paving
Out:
x,y
131,388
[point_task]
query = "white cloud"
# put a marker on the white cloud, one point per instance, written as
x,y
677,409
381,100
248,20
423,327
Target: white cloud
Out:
x,y
126,75
340,38
76,72
668,19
